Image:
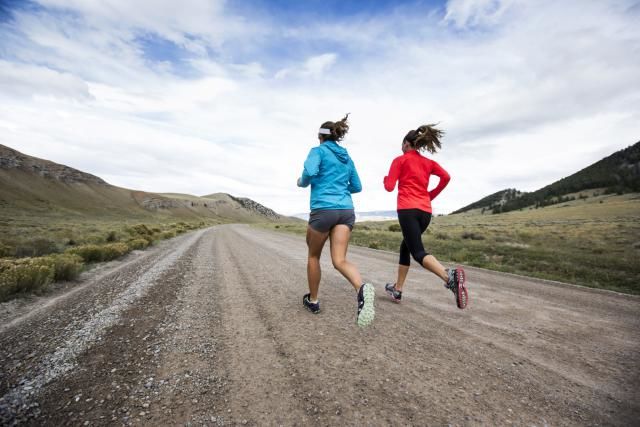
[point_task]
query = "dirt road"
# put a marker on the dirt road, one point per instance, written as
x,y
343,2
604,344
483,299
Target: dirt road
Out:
x,y
208,329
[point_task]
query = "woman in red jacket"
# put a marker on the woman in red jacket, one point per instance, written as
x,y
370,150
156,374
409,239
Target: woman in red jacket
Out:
x,y
412,172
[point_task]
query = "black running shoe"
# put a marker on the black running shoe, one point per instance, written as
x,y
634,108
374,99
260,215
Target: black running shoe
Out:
x,y
395,294
311,306
366,311
457,285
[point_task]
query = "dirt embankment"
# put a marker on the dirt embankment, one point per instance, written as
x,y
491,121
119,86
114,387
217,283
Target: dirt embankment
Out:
x,y
208,329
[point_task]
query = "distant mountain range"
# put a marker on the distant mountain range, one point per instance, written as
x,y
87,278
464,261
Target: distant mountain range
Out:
x,y
32,185
618,173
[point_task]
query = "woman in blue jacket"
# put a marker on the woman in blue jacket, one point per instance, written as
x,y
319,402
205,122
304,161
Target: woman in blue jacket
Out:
x,y
333,177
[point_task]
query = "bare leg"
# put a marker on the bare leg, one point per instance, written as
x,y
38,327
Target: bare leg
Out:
x,y
402,276
315,242
433,265
340,235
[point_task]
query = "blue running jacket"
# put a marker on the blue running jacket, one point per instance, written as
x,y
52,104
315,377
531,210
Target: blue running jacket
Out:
x,y
332,175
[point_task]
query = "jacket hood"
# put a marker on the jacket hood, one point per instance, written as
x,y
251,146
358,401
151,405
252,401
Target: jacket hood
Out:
x,y
340,152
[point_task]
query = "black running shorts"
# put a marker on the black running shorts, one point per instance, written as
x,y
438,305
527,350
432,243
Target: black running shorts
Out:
x,y
324,220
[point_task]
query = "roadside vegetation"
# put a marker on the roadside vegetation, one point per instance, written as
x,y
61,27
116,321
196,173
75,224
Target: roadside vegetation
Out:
x,y
591,241
33,255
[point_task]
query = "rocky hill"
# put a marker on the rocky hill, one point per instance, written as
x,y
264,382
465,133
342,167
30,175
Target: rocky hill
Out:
x,y
12,159
37,186
256,207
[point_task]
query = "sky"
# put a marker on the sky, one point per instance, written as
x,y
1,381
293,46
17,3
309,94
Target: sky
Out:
x,y
206,96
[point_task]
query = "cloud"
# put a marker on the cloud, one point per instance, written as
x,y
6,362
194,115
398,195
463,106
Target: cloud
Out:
x,y
194,24
314,66
475,13
25,80
527,93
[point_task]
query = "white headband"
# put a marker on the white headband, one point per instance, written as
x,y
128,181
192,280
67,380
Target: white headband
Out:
x,y
324,131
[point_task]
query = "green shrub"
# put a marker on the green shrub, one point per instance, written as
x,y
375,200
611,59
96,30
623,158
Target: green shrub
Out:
x,y
111,237
472,236
141,230
137,244
24,275
66,266
168,234
6,251
115,250
89,253
156,230
395,228
35,248
97,253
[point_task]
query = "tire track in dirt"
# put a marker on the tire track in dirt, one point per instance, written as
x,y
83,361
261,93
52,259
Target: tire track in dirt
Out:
x,y
79,329
590,380
262,382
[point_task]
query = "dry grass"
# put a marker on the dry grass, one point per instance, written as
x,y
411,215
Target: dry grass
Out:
x,y
592,242
61,251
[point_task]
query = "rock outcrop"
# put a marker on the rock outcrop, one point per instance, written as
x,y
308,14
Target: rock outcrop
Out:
x,y
12,159
255,207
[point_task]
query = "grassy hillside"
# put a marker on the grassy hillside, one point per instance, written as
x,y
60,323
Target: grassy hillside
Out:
x,y
36,187
54,220
491,201
592,242
618,173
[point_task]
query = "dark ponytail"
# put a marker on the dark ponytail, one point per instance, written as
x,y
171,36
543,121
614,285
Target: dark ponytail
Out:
x,y
338,129
425,137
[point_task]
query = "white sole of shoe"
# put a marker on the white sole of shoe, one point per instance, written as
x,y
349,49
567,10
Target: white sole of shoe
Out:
x,y
368,311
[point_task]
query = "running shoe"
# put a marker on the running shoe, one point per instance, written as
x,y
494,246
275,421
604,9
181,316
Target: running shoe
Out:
x,y
393,293
313,307
457,285
366,311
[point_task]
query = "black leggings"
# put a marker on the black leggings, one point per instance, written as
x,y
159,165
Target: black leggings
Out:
x,y
413,223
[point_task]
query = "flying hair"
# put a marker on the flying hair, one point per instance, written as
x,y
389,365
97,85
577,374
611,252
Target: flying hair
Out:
x,y
425,137
338,129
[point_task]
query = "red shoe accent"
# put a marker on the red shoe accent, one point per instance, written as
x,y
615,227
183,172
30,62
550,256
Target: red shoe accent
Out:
x,y
397,301
463,296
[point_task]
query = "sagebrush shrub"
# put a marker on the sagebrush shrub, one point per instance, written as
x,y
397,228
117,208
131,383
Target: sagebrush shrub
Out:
x,y
24,275
35,247
168,234
395,228
472,236
137,244
97,253
140,229
66,266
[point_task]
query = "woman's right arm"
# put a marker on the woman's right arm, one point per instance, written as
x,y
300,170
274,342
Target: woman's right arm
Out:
x,y
311,167
355,186
438,171
392,177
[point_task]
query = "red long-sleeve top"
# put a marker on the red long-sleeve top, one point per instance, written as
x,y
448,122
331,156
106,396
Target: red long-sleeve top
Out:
x,y
412,172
